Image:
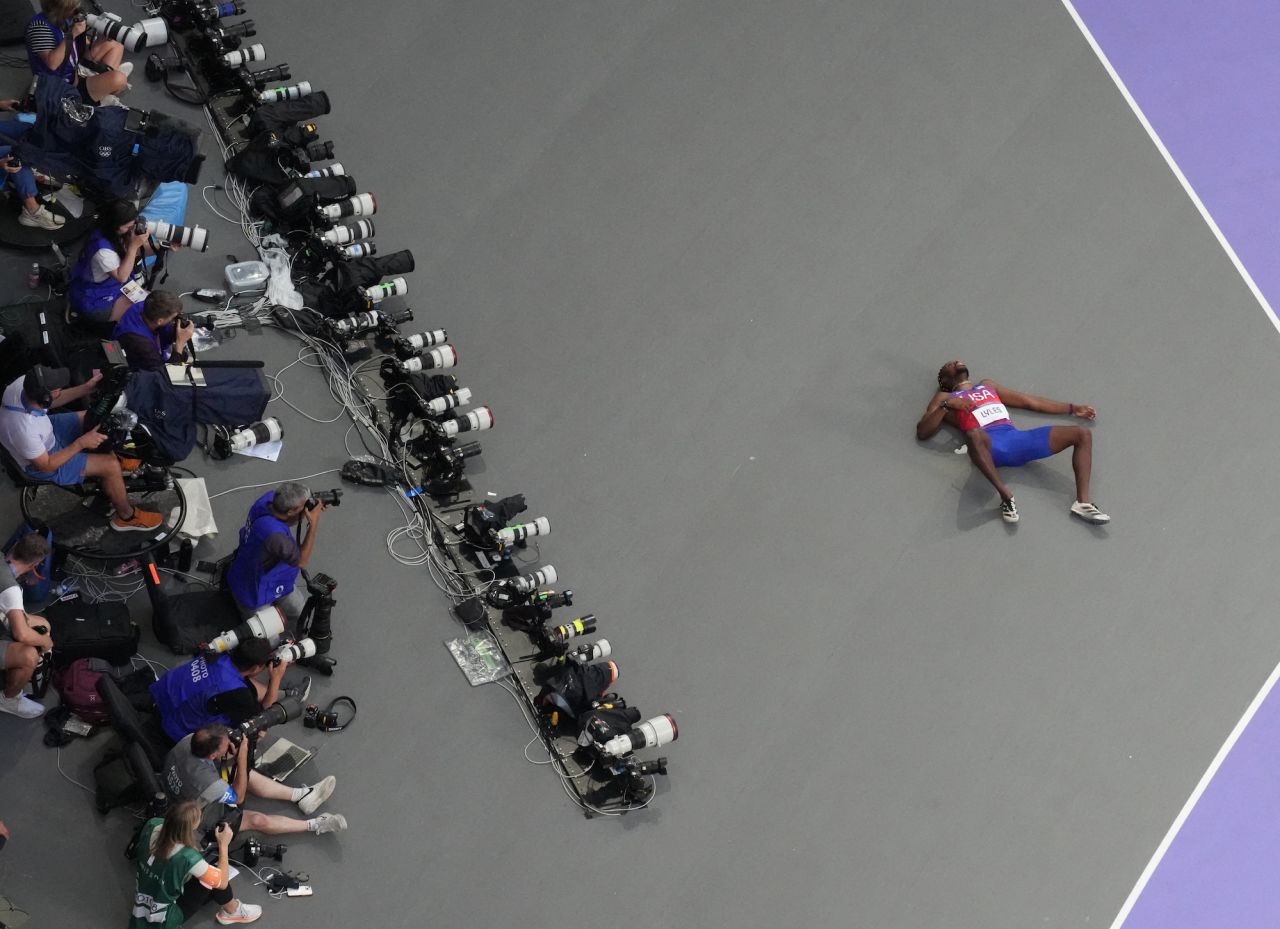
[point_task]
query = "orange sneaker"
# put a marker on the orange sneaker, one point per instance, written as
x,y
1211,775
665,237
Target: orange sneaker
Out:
x,y
129,465
141,521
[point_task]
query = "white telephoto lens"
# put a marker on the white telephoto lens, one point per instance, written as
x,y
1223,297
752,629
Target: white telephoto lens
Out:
x,y
242,56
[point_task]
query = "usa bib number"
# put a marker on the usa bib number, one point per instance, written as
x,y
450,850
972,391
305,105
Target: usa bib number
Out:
x,y
990,413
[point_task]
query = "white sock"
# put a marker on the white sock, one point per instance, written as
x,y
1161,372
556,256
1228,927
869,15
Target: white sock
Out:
x,y
313,824
299,793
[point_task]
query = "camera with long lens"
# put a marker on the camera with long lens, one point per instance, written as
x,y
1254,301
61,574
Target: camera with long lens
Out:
x,y
521,533
572,692
412,345
251,82
613,732
254,851
265,623
334,170
556,639
194,237
281,94
245,55
228,38
327,497
316,621
349,233
652,733
366,323
110,26
443,465
442,356
484,524
283,710
247,437
356,205
290,652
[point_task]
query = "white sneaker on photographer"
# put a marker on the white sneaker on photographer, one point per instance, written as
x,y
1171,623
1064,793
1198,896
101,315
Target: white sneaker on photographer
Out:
x,y
21,705
326,823
125,68
317,794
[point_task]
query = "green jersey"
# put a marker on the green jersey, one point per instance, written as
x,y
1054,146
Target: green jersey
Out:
x,y
160,882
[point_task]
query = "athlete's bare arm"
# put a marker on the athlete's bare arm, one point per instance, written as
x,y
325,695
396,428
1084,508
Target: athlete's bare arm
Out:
x,y
935,414
1036,404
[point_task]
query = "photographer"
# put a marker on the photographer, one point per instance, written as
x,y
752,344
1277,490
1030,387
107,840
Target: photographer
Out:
x,y
267,563
217,773
168,859
54,447
21,642
55,46
107,264
153,334
20,177
221,689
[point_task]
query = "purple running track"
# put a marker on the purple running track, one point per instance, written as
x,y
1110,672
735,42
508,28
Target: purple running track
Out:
x,y
1207,78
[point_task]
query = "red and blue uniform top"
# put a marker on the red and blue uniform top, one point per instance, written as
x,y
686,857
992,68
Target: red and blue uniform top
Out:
x,y
988,410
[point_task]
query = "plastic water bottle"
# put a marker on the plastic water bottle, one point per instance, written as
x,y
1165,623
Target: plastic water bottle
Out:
x,y
33,276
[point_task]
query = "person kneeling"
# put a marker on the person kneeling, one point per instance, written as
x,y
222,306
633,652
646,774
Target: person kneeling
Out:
x,y
174,880
153,334
53,447
216,773
221,689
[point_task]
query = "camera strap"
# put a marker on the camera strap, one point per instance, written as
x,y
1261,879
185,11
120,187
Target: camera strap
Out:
x,y
328,719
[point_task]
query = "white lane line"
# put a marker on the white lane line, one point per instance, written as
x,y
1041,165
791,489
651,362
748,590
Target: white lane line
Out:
x,y
1173,166
1195,797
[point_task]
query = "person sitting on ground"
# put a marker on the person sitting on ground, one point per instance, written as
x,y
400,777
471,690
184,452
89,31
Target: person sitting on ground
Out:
x,y
107,264
55,47
980,411
221,689
52,447
22,178
211,769
266,566
153,334
21,642
174,880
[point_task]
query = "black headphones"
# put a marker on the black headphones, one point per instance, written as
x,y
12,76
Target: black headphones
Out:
x,y
42,395
326,720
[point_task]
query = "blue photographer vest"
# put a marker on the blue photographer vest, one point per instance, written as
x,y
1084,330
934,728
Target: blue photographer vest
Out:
x,y
67,70
132,322
252,583
86,294
183,694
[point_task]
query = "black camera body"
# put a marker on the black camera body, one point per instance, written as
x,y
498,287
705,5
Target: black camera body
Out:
x,y
328,498
254,851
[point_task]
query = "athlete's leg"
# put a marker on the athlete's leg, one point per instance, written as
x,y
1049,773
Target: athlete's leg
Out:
x,y
980,454
1081,439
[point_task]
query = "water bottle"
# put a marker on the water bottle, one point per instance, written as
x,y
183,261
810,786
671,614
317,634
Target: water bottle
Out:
x,y
33,276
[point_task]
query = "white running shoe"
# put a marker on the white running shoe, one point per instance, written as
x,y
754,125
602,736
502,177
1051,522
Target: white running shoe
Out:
x,y
21,705
245,913
1009,510
40,219
1090,513
329,822
317,794
125,68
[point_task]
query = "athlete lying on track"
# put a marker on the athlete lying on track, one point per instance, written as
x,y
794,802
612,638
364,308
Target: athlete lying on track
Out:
x,y
981,412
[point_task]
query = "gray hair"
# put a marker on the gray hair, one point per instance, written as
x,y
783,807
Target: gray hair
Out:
x,y
290,495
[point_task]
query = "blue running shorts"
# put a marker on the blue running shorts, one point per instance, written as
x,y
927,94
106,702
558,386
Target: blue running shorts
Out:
x,y
1011,447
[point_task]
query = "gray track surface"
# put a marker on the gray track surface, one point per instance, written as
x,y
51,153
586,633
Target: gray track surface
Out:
x,y
703,260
